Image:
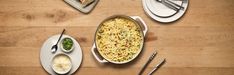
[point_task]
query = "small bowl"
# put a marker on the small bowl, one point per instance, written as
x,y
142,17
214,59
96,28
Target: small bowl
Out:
x,y
61,45
60,59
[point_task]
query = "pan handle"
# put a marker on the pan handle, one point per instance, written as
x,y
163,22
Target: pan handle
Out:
x,y
142,23
96,55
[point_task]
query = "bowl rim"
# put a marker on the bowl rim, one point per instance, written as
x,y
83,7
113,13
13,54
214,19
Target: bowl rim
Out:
x,y
136,23
51,65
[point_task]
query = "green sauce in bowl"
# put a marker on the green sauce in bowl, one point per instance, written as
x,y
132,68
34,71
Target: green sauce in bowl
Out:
x,y
67,44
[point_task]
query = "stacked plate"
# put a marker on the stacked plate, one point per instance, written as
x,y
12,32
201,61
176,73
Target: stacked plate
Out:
x,y
165,10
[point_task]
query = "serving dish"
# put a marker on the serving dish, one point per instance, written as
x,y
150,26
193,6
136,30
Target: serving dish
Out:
x,y
103,57
76,4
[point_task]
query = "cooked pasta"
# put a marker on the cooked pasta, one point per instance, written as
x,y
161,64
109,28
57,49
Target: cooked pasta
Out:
x,y
119,39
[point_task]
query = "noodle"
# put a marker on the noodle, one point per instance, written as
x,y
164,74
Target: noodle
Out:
x,y
119,39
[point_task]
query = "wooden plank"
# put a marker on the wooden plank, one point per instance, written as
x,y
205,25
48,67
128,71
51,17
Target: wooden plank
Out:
x,y
121,71
57,13
188,57
185,36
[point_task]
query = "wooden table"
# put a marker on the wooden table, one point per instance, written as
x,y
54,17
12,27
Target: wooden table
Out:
x,y
200,43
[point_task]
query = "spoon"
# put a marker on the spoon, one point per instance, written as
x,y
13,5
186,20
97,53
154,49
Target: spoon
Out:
x,y
55,47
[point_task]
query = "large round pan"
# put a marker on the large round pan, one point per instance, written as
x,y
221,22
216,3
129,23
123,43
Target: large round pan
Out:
x,y
138,22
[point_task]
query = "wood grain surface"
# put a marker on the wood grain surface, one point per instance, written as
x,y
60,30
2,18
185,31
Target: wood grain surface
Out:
x,y
200,43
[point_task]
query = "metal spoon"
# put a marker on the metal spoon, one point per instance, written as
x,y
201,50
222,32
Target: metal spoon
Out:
x,y
55,47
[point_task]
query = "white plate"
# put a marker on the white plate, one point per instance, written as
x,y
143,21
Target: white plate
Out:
x,y
46,55
160,13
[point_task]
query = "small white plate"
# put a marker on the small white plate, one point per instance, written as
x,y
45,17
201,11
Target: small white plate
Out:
x,y
46,55
161,13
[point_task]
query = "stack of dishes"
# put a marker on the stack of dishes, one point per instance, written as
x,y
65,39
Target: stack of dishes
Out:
x,y
165,10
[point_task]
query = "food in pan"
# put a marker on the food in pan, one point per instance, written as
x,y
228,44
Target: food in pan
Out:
x,y
119,39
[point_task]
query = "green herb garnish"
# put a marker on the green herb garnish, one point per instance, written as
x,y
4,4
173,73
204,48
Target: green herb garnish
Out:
x,y
67,43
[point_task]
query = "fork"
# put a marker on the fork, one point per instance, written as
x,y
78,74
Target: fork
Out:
x,y
175,4
167,5
170,4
